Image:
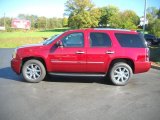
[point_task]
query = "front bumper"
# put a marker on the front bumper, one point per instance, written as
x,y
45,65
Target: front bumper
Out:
x,y
16,65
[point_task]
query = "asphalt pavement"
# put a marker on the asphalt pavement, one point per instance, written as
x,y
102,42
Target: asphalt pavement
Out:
x,y
78,98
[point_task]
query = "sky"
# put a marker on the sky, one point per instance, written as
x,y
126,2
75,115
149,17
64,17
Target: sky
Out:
x,y
55,8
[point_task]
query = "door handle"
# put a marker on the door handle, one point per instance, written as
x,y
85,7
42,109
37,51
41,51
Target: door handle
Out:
x,y
80,52
110,52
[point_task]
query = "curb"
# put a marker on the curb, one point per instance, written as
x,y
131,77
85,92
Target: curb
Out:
x,y
155,66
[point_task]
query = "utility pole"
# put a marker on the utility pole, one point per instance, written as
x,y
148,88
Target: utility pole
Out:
x,y
46,24
4,21
145,4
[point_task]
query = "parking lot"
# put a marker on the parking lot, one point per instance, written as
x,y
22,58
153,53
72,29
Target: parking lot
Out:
x,y
77,98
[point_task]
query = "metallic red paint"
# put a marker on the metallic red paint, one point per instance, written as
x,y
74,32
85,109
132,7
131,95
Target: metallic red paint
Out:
x,y
82,59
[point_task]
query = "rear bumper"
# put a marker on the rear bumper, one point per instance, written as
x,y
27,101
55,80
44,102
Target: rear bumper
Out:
x,y
16,65
141,67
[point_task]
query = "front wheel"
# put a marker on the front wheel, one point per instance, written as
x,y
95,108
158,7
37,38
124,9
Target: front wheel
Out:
x,y
33,71
120,74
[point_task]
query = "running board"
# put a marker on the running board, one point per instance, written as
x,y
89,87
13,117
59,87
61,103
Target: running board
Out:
x,y
78,74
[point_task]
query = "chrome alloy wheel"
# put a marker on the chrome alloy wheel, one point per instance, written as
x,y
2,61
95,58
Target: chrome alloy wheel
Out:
x,y
121,75
33,71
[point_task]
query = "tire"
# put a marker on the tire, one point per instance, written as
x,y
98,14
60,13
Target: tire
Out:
x,y
120,74
33,71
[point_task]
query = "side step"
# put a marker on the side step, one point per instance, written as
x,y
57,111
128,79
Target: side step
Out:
x,y
78,74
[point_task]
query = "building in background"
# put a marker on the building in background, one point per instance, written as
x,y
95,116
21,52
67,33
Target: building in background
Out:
x,y
21,24
142,21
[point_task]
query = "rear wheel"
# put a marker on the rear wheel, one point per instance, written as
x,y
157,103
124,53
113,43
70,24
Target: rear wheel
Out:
x,y
120,74
33,71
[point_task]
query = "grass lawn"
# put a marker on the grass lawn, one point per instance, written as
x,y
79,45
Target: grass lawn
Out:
x,y
155,54
15,39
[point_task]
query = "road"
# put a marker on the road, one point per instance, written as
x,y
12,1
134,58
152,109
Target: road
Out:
x,y
64,98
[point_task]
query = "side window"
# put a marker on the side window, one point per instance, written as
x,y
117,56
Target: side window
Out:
x,y
73,40
98,39
130,40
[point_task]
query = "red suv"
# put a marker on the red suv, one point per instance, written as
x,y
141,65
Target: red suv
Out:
x,y
113,53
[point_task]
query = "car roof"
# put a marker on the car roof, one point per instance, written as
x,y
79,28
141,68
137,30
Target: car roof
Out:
x,y
104,29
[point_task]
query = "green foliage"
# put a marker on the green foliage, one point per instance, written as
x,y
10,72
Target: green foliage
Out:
x,y
65,22
41,23
155,27
106,13
76,6
153,11
126,20
36,22
82,14
154,21
158,13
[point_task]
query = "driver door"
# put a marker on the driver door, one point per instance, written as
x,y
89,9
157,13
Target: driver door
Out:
x,y
70,56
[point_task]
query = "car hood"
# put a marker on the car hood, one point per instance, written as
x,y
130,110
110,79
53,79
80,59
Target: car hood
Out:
x,y
32,45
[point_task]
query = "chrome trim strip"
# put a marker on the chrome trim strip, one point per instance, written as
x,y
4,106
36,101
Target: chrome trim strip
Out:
x,y
95,62
75,62
71,62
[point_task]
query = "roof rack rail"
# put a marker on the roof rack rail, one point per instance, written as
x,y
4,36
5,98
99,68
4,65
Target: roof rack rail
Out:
x,y
111,29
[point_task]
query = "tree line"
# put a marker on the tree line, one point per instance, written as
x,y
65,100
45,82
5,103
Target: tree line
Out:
x,y
84,14
37,22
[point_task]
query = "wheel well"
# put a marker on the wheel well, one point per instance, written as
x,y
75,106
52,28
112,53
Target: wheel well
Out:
x,y
35,58
124,60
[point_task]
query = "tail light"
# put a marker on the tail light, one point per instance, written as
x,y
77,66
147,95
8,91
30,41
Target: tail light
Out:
x,y
147,54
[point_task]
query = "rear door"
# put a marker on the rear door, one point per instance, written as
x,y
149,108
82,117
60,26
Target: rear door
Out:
x,y
99,52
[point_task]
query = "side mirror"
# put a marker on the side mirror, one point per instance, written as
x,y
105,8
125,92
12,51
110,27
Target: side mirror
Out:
x,y
59,44
44,38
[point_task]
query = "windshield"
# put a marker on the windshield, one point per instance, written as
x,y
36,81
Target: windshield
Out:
x,y
51,39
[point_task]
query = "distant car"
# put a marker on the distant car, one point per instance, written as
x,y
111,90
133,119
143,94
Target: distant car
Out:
x,y
151,39
158,39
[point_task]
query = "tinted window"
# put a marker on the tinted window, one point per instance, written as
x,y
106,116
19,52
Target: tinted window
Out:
x,y
130,40
148,36
73,40
99,40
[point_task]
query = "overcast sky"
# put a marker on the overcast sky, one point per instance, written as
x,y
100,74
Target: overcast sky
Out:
x,y
55,8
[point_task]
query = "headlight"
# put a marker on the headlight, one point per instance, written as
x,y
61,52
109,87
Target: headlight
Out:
x,y
14,53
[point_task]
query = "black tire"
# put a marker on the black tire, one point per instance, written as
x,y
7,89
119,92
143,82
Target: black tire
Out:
x,y
120,74
33,71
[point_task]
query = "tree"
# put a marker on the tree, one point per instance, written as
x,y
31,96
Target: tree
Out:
x,y
153,15
154,28
153,11
76,6
41,22
158,13
82,14
126,20
65,22
106,13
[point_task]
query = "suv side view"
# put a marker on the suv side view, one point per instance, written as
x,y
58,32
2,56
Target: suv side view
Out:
x,y
113,53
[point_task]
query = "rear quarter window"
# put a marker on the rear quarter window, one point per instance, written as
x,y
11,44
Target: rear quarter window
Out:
x,y
130,40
